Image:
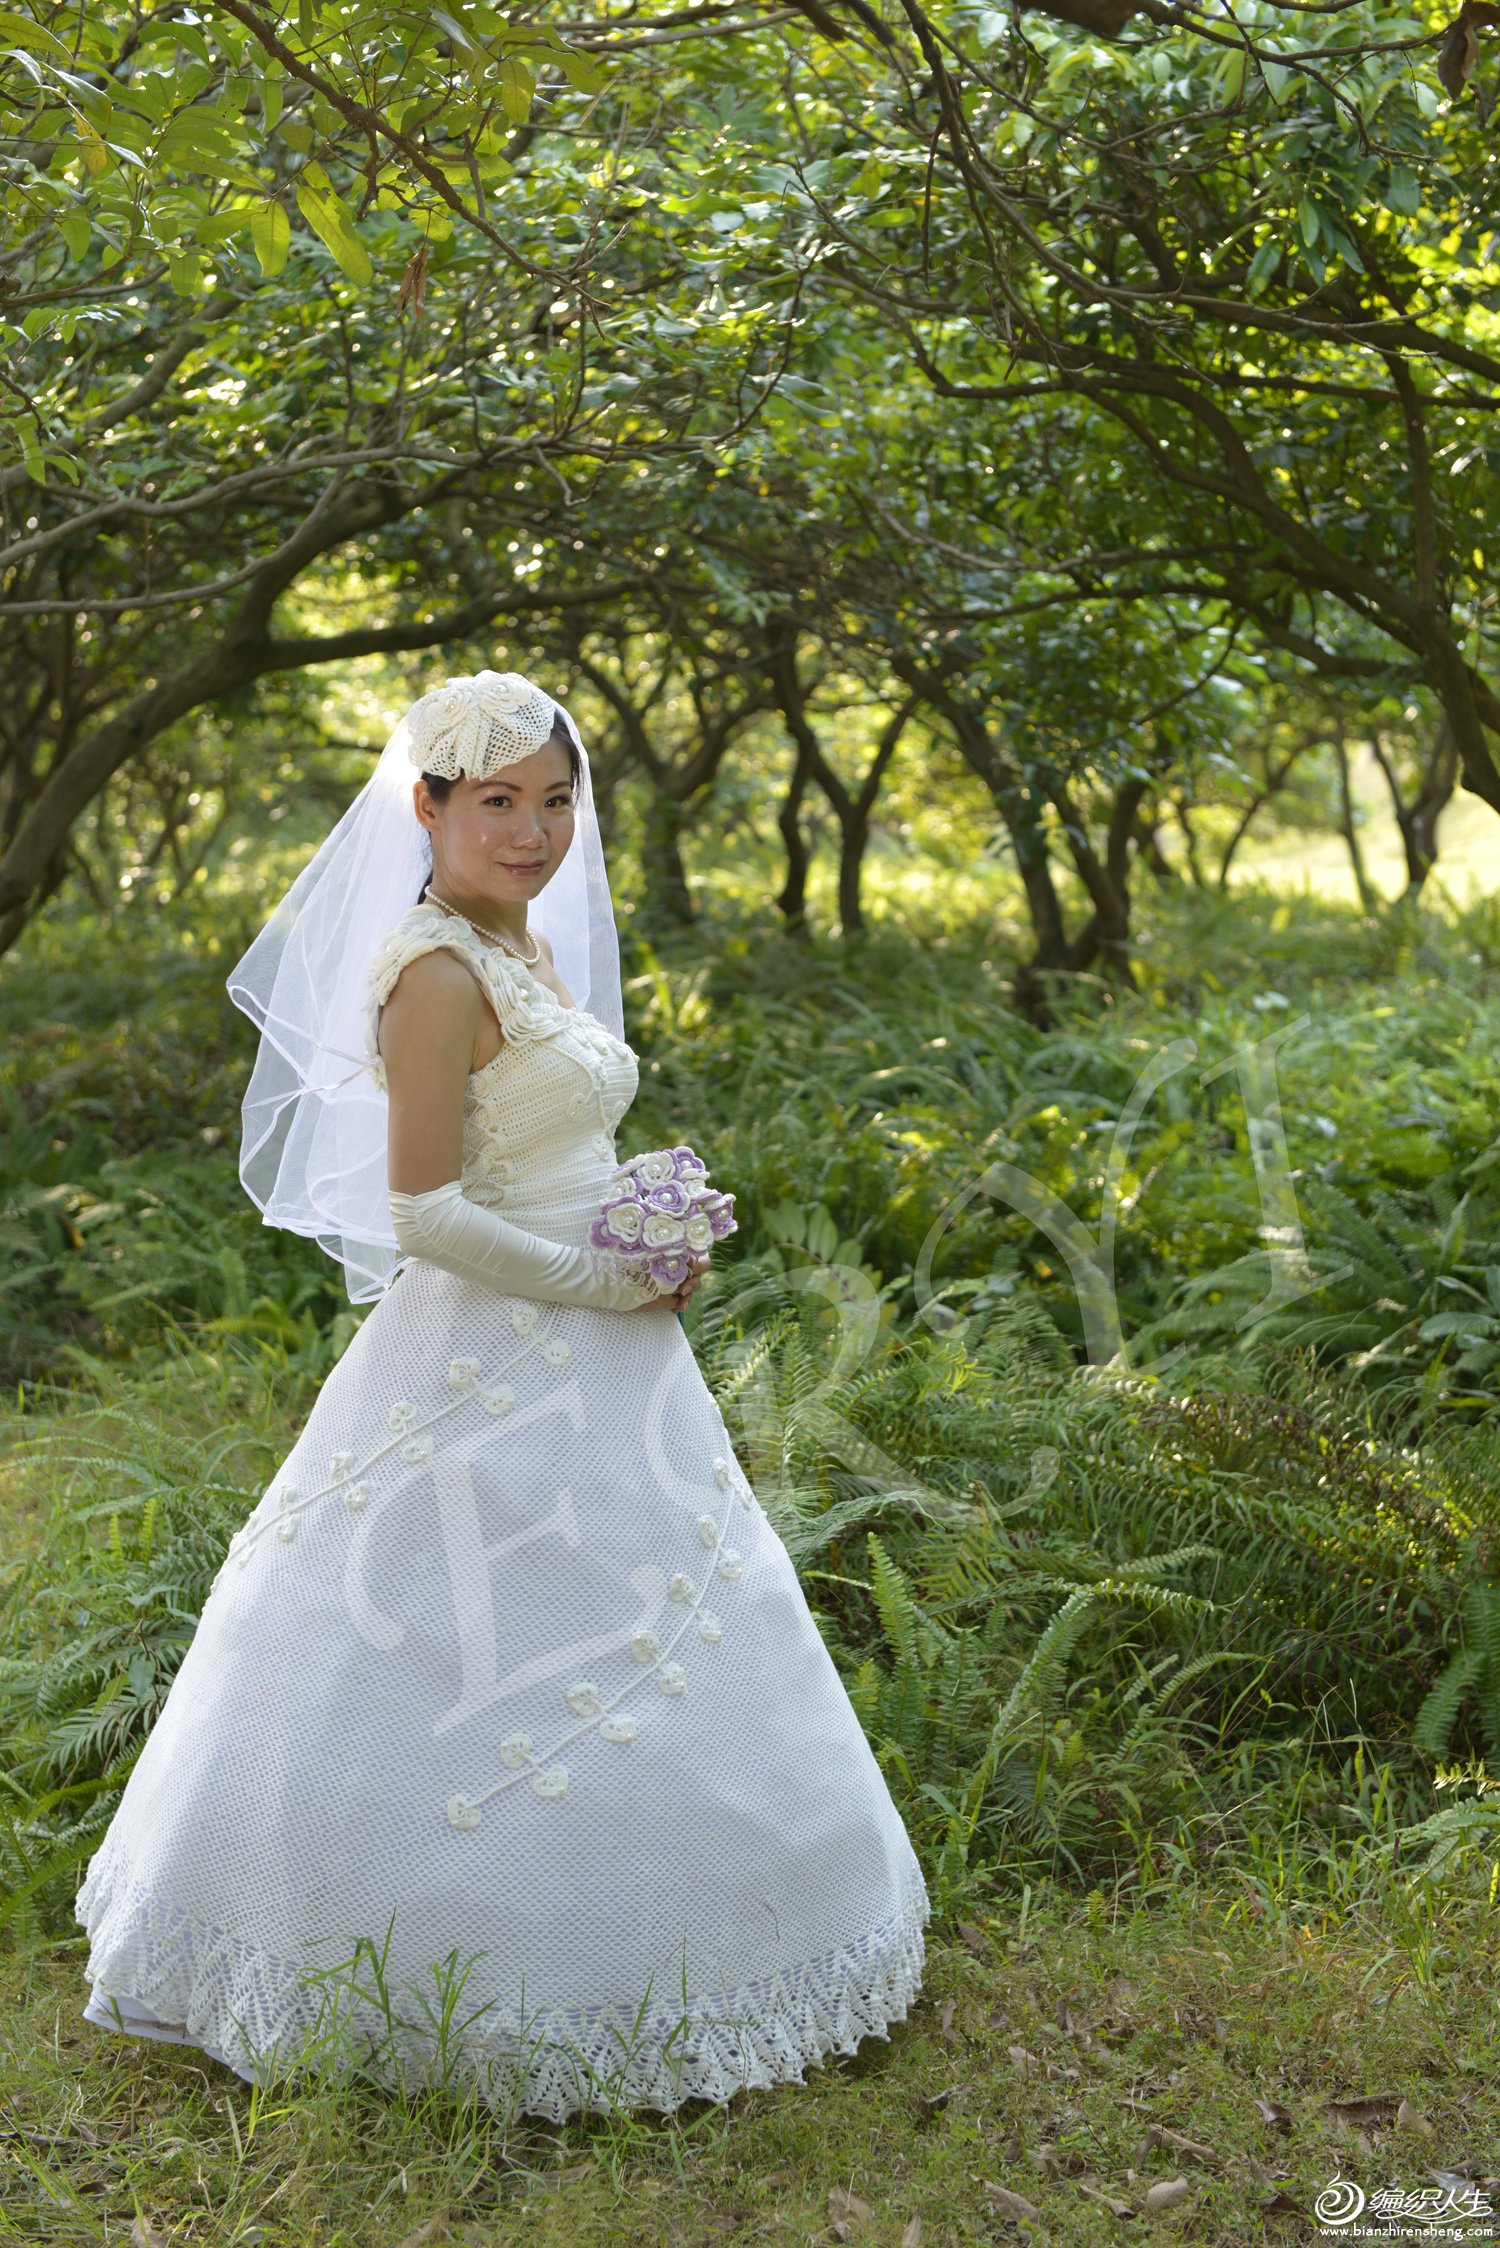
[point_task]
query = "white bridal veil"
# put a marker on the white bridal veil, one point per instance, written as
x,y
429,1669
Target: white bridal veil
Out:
x,y
313,1146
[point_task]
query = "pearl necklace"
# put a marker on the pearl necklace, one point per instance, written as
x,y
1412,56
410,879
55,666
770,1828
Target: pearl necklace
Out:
x,y
497,936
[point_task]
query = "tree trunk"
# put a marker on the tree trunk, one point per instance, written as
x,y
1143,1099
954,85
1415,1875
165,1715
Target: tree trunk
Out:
x,y
668,901
1020,807
1369,902
1418,820
792,897
851,809
1107,879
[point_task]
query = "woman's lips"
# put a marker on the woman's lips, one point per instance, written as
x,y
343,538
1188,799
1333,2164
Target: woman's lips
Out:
x,y
530,866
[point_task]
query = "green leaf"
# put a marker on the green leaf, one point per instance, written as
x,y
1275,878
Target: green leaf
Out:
x,y
271,233
75,230
1402,193
34,37
1308,220
1339,241
329,218
1263,267
517,85
581,71
220,226
185,271
455,31
195,141
1229,78
270,100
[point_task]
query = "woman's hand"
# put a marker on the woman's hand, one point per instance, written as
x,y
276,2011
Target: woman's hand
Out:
x,y
681,1297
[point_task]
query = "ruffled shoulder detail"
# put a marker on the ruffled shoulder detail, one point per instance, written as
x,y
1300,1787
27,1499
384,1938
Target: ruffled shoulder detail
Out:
x,y
520,1003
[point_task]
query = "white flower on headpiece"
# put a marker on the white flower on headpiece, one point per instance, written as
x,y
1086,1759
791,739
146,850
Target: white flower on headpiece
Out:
x,y
469,728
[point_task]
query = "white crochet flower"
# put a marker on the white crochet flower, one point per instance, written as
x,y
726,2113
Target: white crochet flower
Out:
x,y
625,1221
653,1168
469,728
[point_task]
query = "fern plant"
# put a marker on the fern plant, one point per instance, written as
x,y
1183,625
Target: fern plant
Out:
x,y
76,1710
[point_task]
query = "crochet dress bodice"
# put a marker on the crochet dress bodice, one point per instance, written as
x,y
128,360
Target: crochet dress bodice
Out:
x,y
540,1119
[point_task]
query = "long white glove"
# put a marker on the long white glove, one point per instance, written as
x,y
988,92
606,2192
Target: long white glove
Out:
x,y
448,1229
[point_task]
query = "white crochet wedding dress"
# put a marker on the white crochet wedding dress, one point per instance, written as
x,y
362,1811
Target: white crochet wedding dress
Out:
x,y
508,1670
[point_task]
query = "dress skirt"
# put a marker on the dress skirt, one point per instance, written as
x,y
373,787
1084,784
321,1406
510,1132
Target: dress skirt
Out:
x,y
507,1752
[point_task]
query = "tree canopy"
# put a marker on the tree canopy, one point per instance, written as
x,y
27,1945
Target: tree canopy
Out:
x,y
1049,380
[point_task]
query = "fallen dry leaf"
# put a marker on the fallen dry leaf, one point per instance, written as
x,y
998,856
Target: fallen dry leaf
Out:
x,y
843,2203
1157,2135
1272,2111
1281,2204
1409,2118
550,2182
1109,2201
974,1938
912,2237
143,2234
1373,2107
945,2019
1166,2195
1013,2204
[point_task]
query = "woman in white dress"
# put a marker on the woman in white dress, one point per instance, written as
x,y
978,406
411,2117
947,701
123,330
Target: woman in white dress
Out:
x,y
506,1743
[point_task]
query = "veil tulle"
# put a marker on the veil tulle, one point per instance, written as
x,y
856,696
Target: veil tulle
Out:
x,y
313,1145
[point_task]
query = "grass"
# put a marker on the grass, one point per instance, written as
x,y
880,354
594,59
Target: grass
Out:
x,y
1072,2052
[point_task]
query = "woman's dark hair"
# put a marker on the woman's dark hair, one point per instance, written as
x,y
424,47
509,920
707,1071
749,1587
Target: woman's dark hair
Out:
x,y
441,786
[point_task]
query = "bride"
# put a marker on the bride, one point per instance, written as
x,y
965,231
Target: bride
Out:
x,y
506,1721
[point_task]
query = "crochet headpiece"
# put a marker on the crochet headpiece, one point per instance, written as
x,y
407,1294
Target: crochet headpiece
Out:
x,y
468,728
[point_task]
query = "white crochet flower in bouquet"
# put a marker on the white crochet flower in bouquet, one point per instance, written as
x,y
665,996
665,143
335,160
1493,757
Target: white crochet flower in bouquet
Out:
x,y
469,728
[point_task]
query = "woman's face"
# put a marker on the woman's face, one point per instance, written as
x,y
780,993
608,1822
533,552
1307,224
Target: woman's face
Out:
x,y
503,838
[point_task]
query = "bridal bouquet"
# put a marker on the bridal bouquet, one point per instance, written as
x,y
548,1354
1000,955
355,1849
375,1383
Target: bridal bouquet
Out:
x,y
666,1209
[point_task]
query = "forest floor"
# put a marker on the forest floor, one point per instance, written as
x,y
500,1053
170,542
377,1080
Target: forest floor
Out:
x,y
1198,2051
1205,2069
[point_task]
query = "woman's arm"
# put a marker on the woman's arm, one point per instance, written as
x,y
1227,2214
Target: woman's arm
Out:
x,y
428,1032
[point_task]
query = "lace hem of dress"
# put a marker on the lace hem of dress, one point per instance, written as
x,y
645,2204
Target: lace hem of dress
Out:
x,y
180,1981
